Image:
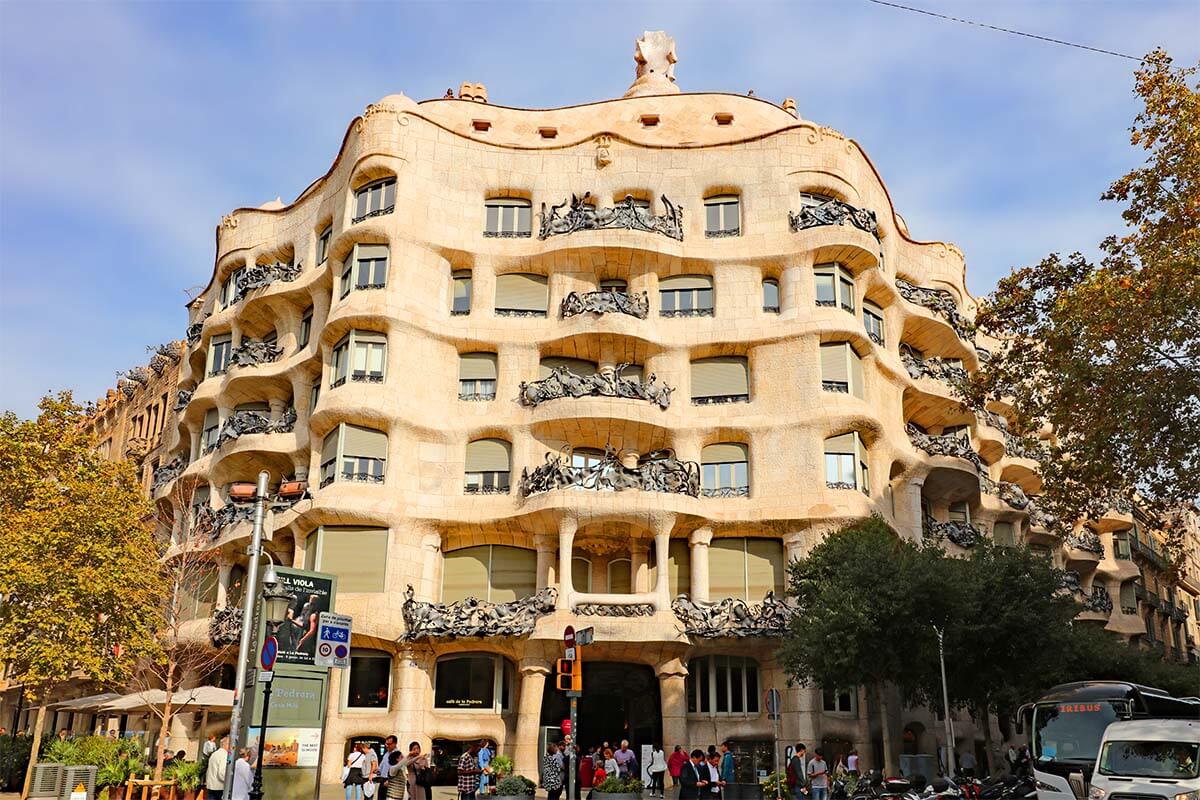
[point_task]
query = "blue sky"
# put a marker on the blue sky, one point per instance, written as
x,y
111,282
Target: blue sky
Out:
x,y
127,130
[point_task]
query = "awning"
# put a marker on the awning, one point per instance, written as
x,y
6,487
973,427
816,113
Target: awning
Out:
x,y
86,703
137,700
197,698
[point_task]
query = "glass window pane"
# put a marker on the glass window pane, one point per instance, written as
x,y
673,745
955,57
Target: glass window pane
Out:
x,y
825,292
722,680
492,223
369,682
732,216
704,298
737,687
389,194
523,219
770,294
468,682
361,205
751,687
507,219
668,300
713,217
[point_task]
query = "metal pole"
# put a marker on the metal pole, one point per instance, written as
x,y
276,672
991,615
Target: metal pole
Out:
x,y
571,766
946,703
256,790
778,788
246,646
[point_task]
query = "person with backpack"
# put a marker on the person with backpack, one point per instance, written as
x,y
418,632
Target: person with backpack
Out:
x,y
797,772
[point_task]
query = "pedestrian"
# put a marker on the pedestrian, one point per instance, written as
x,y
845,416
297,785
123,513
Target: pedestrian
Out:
x,y
852,762
675,763
797,772
611,768
658,768
552,772
1010,757
485,761
62,735
626,760
420,776
218,765
394,770
385,765
468,773
728,767
715,784
818,776
356,772
210,745
693,777
243,775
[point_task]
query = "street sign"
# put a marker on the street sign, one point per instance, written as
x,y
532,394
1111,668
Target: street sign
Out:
x,y
266,676
774,703
569,637
270,650
584,636
333,640
566,727
569,655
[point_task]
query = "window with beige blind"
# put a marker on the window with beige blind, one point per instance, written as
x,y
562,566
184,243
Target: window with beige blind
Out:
x,y
578,366
477,376
357,556
353,453
491,573
360,356
725,470
520,294
219,349
461,303
366,268
375,199
725,379
959,511
841,369
873,322
488,466
846,463
323,244
745,568
722,216
679,568
835,286
211,432
620,578
686,296
507,218
581,574
1002,534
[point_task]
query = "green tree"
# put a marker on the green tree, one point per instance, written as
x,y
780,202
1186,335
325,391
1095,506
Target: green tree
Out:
x,y
78,599
1108,353
1096,654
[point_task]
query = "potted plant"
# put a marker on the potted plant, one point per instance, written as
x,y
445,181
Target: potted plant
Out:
x,y
502,766
514,787
116,773
187,777
617,788
774,785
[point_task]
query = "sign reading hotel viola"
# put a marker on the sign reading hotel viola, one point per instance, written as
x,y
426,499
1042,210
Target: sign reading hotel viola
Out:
x,y
311,595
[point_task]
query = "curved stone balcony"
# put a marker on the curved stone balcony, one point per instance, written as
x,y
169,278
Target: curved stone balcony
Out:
x,y
1083,550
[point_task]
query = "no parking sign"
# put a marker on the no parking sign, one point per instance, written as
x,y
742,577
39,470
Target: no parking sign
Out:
x,y
333,640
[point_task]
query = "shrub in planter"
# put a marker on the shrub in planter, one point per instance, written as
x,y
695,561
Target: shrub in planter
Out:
x,y
187,775
501,767
624,787
515,786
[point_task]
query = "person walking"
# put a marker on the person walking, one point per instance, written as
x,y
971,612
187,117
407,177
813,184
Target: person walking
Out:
x,y
626,760
418,773
356,773
385,765
658,768
552,772
852,762
728,767
485,761
818,776
693,777
218,765
210,746
797,772
611,768
243,775
468,773
675,763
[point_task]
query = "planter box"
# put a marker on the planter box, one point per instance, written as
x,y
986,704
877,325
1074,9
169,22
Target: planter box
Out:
x,y
242,491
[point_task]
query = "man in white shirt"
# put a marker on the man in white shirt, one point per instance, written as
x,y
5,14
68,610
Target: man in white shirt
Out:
x,y
818,776
218,766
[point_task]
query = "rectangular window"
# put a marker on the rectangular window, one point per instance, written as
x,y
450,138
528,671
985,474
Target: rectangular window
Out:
x,y
314,395
323,244
873,322
722,216
1002,534
219,350
521,295
835,286
357,556
1128,598
229,288
1121,549
841,369
838,701
369,684
846,463
305,329
375,199
477,376
812,199
211,430
770,289
725,379
365,269
361,453
466,682
461,304
507,217
959,511
359,357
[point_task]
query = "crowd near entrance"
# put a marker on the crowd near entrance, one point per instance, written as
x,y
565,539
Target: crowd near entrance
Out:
x,y
620,701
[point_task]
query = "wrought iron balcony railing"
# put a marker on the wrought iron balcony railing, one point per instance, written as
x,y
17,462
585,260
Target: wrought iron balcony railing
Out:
x,y
962,533
725,491
723,233
194,332
720,399
1086,541
562,382
1099,600
477,396
686,312
244,423
733,617
379,212
262,275
940,302
252,352
182,398
834,212
657,471
605,301
954,446
225,626
472,488
520,312
582,215
471,618
835,386
169,471
933,367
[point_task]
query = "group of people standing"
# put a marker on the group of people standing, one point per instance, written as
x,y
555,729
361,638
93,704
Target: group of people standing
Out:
x,y
393,776
808,774
702,776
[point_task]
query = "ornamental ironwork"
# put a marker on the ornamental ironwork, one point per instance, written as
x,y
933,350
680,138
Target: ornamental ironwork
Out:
x,y
474,618
252,352
835,386
686,312
605,301
834,212
1086,541
614,610
993,419
169,471
723,233
1022,447
582,215
839,485
1099,600
733,617
657,471
1010,493
262,275
223,517
379,212
725,491
961,532
519,312
182,398
940,302
720,399
933,367
562,382
244,423
194,331
162,356
225,626
953,446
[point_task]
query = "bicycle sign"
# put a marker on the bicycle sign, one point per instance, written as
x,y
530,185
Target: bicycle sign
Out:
x,y
333,640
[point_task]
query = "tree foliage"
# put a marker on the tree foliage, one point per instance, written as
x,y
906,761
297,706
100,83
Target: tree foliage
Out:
x,y
1108,353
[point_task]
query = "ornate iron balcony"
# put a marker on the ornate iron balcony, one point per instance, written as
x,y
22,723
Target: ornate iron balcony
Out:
x,y
366,377
720,399
216,521
562,382
827,303
244,423
194,332
614,610
162,356
262,275
583,216
169,471
605,301
476,489
1099,600
252,352
940,302
477,396
657,471
733,617
932,367
379,212
954,446
474,618
725,491
834,212
507,234
182,398
1086,541
840,485
963,534
875,337
225,626
770,309
686,312
835,386
519,312
724,233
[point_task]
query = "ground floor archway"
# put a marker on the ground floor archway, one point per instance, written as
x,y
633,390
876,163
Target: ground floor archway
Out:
x,y
620,701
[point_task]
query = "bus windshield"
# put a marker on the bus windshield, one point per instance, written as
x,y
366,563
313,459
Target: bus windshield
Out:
x,y
1169,760
1071,731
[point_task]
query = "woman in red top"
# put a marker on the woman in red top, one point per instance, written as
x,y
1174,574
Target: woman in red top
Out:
x,y
675,763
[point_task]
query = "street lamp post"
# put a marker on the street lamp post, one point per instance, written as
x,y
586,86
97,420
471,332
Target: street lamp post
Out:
x,y
946,702
275,605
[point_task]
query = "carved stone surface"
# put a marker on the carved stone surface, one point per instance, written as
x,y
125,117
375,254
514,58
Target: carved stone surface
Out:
x,y
940,302
242,423
733,617
1087,541
169,471
182,398
605,301
932,367
583,216
225,626
657,471
562,382
955,446
475,618
834,212
654,55
261,275
254,351
963,534
614,609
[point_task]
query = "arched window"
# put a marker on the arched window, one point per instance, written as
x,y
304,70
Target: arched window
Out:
x,y
686,296
620,578
361,452
725,470
375,199
491,573
581,574
770,293
477,376
488,467
745,569
835,286
521,295
722,685
813,199
725,379
507,217
370,680
722,216
473,682
846,463
841,369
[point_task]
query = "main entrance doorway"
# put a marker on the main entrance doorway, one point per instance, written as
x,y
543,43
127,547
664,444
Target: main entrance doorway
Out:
x,y
620,701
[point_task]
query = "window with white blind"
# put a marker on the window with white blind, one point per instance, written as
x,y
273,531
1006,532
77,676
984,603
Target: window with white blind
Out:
x,y
366,268
477,376
488,466
873,322
460,305
725,379
375,199
360,357
579,366
229,288
353,453
490,573
1002,534
725,470
507,218
686,296
1129,597
357,556
219,349
521,295
835,286
211,430
722,216
846,463
770,293
323,244
305,329
620,576
581,574
841,369
745,569
722,685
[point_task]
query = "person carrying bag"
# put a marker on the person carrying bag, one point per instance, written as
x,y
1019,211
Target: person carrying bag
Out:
x,y
353,776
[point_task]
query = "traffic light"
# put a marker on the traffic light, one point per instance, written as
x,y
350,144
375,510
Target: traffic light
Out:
x,y
570,675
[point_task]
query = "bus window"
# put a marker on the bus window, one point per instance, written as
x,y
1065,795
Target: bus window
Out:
x,y
1071,731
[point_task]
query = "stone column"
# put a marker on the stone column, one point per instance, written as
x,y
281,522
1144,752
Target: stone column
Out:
x,y
194,435
566,540
529,716
639,577
700,540
909,516
545,544
277,409
662,544
793,548
672,688
431,546
223,573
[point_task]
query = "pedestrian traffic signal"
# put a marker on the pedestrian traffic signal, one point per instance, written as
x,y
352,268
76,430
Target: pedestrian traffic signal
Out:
x,y
570,675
